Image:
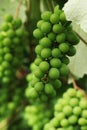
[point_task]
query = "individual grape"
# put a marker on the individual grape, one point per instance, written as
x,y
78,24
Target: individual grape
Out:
x,y
83,104
56,53
46,15
72,51
65,60
16,23
38,73
74,102
51,36
54,18
39,23
60,38
77,110
67,110
38,49
82,121
64,47
64,122
8,18
37,33
72,38
8,57
37,61
46,53
39,86
44,66
57,28
5,26
10,33
64,70
45,42
48,88
73,119
55,62
62,17
46,27
84,114
54,73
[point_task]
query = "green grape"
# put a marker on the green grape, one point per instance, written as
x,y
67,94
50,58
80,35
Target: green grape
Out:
x,y
5,64
65,60
51,36
64,47
16,23
10,33
8,57
57,83
56,9
64,71
56,53
46,53
55,62
38,49
38,73
67,110
45,42
82,121
64,122
16,40
71,92
60,38
39,86
73,119
5,26
83,104
54,73
19,32
46,27
84,127
77,110
44,66
5,80
32,93
54,18
39,23
84,114
8,18
37,61
72,38
48,88
74,102
62,17
7,42
37,33
72,51
57,28
46,15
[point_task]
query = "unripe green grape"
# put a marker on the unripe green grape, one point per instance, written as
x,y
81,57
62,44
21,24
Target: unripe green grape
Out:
x,y
54,18
16,40
7,41
84,127
10,33
8,57
57,83
72,38
37,33
44,66
8,18
84,113
77,110
46,27
64,70
51,36
39,23
83,103
55,62
79,94
60,38
54,73
65,60
16,23
48,88
57,28
31,93
1,52
5,26
56,53
5,80
37,61
38,49
46,15
56,9
38,73
46,53
6,50
45,42
7,72
58,108
39,86
67,110
71,92
64,47
72,51
5,64
82,121
54,122
62,17
74,102
64,122
72,119
19,32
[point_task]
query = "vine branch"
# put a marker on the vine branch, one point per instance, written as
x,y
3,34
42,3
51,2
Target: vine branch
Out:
x,y
18,8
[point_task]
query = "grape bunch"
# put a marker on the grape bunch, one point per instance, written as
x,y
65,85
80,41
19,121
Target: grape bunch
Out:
x,y
37,115
55,43
12,46
70,112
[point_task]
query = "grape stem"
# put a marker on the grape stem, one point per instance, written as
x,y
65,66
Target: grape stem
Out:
x,y
80,38
76,86
18,9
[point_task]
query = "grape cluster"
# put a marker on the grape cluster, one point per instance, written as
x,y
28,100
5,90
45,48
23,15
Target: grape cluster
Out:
x,y
55,42
37,115
70,112
12,43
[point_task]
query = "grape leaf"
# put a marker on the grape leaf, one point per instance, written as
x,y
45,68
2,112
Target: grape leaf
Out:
x,y
78,63
76,11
